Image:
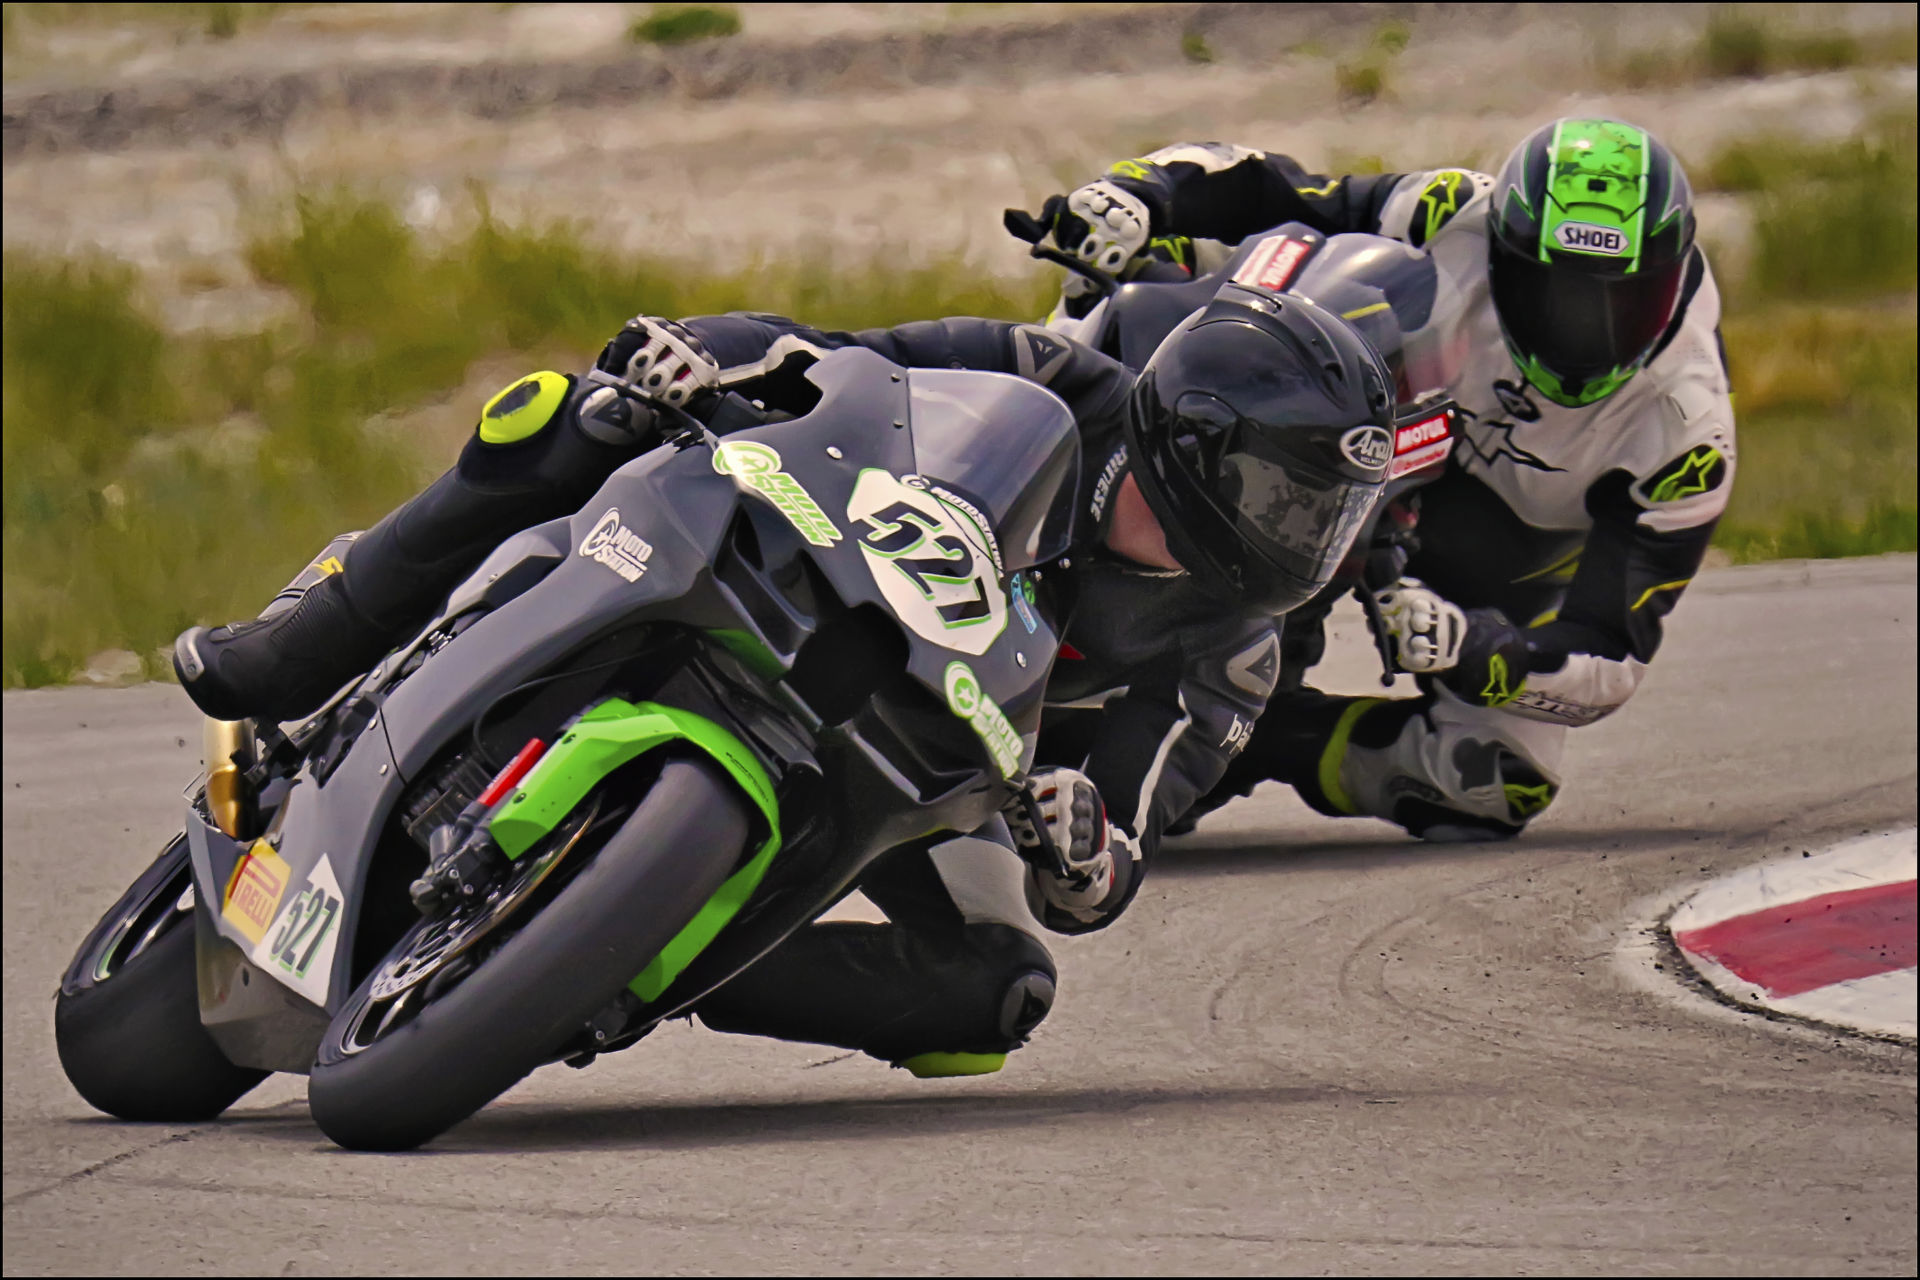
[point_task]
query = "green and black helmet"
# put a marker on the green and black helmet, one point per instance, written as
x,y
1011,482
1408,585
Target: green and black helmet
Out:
x,y
1592,225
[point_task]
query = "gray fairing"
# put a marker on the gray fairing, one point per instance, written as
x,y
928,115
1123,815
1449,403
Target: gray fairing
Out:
x,y
545,600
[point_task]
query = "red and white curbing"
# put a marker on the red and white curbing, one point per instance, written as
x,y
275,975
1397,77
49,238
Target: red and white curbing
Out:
x,y
1829,937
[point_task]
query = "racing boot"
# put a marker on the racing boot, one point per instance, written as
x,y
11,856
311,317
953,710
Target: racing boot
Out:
x,y
285,663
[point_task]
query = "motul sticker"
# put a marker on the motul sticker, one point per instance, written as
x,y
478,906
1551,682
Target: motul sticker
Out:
x,y
1273,263
1588,237
1421,445
254,890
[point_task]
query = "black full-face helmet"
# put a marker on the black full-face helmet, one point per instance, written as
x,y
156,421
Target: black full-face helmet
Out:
x,y
1260,434
1591,228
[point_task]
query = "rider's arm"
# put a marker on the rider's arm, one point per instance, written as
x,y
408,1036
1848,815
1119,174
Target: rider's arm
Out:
x,y
1216,191
765,357
1650,534
1167,740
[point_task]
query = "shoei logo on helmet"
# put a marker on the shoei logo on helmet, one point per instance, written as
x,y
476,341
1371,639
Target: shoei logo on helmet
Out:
x,y
614,545
1272,263
1368,448
1588,237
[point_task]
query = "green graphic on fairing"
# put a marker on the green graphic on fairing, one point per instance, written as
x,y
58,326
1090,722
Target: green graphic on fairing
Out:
x,y
601,741
1596,191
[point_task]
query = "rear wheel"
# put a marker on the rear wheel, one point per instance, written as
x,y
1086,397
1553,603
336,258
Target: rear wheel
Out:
x,y
451,1019
127,1020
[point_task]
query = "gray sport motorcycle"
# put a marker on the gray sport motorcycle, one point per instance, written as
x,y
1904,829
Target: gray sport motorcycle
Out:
x,y
637,748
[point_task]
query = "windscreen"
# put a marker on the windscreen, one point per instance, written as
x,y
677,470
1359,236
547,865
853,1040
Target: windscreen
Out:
x,y
1007,444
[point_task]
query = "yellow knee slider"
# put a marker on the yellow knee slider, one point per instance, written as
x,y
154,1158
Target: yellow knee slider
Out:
x,y
524,408
941,1066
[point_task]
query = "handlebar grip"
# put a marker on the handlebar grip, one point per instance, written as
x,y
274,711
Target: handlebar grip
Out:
x,y
1022,225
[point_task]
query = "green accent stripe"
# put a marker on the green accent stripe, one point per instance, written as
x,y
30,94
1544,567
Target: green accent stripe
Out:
x,y
601,741
1335,755
1547,208
1650,592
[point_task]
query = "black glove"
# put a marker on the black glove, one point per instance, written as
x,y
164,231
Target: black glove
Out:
x,y
1495,660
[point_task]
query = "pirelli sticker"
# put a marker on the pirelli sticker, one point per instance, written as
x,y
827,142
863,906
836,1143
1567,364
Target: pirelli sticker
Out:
x,y
254,891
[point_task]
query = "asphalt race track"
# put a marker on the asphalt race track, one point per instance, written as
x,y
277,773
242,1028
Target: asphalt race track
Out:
x,y
1311,1046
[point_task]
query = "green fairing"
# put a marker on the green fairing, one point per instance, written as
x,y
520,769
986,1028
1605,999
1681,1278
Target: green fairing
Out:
x,y
601,741
1597,174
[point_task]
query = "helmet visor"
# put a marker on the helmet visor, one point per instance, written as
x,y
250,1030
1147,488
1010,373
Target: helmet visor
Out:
x,y
1297,517
1581,326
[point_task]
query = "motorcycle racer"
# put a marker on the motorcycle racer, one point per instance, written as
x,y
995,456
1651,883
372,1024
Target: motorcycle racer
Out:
x,y
1215,495
1596,454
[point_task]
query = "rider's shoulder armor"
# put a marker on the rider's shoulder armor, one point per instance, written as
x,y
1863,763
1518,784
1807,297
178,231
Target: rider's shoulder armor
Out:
x,y
1425,204
1542,458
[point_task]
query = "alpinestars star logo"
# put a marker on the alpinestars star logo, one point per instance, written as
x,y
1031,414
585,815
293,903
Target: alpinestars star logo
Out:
x,y
1491,440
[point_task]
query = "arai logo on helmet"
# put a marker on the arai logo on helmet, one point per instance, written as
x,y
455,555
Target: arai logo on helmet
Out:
x,y
1368,448
1587,237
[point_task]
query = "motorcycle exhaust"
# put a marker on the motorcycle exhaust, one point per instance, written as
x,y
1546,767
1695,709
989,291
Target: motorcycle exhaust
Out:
x,y
229,747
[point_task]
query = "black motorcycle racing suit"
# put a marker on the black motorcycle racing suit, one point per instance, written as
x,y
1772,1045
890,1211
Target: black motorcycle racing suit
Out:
x,y
1163,683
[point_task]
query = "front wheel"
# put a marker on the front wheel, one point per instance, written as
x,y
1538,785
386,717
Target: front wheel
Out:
x,y
406,1059
127,1020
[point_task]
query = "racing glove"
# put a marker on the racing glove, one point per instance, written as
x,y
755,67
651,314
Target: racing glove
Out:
x,y
661,360
1427,631
1101,224
1061,827
1494,660
1476,653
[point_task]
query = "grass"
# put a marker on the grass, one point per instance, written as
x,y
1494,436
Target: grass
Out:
x,y
1739,42
685,23
216,21
1364,78
153,480
1825,402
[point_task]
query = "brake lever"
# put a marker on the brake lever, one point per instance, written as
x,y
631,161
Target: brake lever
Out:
x,y
1377,624
1046,856
1104,283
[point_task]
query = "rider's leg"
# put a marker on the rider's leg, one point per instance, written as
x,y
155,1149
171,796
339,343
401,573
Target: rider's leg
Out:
x,y
954,981
528,461
1441,768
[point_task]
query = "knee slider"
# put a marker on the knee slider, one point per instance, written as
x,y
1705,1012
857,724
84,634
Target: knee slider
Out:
x,y
524,409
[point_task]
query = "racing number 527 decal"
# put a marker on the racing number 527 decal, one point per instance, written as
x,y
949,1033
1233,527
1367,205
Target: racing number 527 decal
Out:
x,y
931,560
